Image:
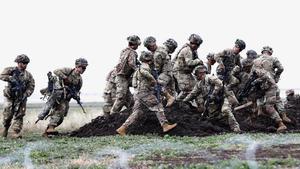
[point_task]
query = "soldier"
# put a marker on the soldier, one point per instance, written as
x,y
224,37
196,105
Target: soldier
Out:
x,y
20,86
210,62
214,103
275,68
228,59
292,100
66,86
163,65
267,84
184,63
109,94
145,96
124,70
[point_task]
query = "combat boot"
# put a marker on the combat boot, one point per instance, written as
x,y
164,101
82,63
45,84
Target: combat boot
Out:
x,y
167,127
170,99
16,135
285,118
51,131
5,132
121,130
236,129
281,127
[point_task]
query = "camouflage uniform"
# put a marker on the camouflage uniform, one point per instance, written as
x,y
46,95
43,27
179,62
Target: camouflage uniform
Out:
x,y
144,97
109,94
124,70
20,107
268,85
292,100
217,111
184,63
230,60
162,62
71,79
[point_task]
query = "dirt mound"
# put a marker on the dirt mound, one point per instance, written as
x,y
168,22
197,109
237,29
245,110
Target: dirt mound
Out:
x,y
188,120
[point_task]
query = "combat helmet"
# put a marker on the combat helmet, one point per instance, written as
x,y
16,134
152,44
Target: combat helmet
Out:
x,y
134,40
150,40
22,59
241,44
194,38
268,49
81,62
171,44
146,56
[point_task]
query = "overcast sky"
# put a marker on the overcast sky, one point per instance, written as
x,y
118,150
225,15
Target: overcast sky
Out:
x,y
54,33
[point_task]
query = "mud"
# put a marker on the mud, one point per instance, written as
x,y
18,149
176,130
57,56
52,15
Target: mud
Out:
x,y
188,120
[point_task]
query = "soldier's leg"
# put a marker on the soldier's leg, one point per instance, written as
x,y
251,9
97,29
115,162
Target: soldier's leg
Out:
x,y
122,90
270,108
280,107
7,115
164,80
137,111
18,121
186,83
109,95
160,114
227,111
59,112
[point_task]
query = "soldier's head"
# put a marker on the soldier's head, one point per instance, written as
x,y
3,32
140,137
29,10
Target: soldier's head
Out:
x,y
150,43
267,50
290,92
133,41
195,41
146,57
200,72
171,44
251,54
210,58
247,65
22,61
239,46
80,65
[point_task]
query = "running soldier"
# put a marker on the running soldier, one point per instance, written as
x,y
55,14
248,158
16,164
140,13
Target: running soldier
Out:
x,y
146,96
124,70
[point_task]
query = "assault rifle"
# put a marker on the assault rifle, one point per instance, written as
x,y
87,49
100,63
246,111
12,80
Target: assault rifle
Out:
x,y
157,87
249,86
74,94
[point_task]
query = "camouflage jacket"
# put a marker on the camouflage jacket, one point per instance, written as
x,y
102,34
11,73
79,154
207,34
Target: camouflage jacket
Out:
x,y
186,60
25,77
292,102
162,60
270,64
229,59
203,87
73,79
142,79
127,62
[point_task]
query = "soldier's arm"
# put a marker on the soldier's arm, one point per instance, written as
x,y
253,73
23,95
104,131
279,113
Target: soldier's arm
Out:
x,y
62,73
6,74
188,55
194,93
217,83
158,60
132,59
30,86
219,57
279,68
146,73
238,61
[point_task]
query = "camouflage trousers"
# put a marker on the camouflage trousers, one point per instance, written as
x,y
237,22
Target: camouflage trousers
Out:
x,y
186,83
268,102
167,82
109,96
224,115
145,102
279,102
9,115
123,94
58,113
